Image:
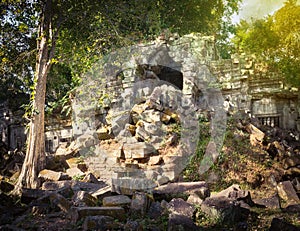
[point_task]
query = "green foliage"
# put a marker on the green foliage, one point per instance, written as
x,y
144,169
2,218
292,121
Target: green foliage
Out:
x,y
78,177
275,40
82,32
17,41
207,17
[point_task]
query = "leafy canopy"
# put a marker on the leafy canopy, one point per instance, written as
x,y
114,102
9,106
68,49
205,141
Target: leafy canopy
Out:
x,y
274,39
85,30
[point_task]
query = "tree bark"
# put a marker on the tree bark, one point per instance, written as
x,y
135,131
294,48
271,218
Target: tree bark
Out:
x,y
35,152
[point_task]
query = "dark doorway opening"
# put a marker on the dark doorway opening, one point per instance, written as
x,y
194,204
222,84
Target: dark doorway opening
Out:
x,y
164,73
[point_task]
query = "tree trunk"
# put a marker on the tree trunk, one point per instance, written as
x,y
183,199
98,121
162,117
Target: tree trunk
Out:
x,y
35,152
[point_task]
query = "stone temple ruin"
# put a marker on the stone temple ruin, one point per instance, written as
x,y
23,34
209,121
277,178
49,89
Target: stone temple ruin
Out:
x,y
135,117
130,106
145,102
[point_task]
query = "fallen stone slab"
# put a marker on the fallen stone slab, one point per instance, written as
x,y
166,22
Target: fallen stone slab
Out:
x,y
152,116
119,122
46,174
83,198
66,192
55,185
53,200
180,187
180,207
272,202
222,209
118,200
234,192
226,192
101,191
73,162
287,192
256,135
74,185
77,213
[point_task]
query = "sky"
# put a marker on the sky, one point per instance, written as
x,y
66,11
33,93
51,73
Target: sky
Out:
x,y
257,9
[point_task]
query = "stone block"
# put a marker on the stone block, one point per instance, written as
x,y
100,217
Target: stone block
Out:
x,y
139,108
180,187
74,172
226,192
119,201
56,185
60,202
77,213
119,123
127,185
287,192
256,135
98,223
156,141
138,150
74,162
223,209
103,134
271,202
82,198
142,134
194,199
140,203
202,192
151,116
180,207
46,174
90,178
154,160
